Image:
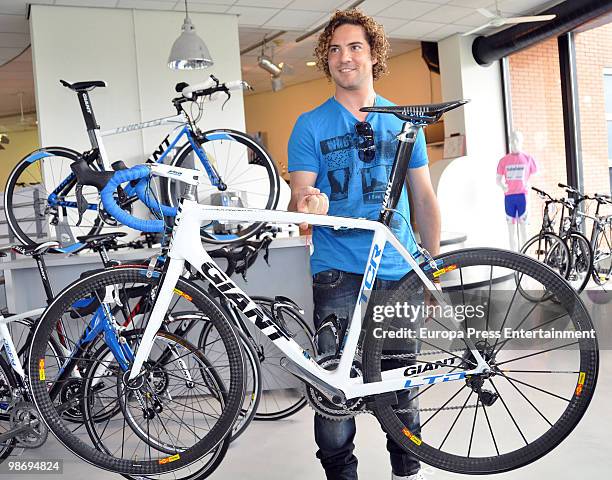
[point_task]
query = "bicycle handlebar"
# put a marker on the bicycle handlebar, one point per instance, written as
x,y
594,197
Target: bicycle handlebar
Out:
x,y
212,85
107,195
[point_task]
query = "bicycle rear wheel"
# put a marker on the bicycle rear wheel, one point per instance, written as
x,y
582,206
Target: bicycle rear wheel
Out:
x,y
537,391
581,264
602,255
193,422
249,175
40,199
549,249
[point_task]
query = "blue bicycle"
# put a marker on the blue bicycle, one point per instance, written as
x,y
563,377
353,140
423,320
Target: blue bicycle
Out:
x,y
42,199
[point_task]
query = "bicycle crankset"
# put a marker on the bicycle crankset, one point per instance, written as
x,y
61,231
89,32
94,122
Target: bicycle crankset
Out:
x,y
325,407
26,419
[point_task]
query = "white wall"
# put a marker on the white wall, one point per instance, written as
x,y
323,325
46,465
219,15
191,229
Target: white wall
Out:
x,y
469,198
129,49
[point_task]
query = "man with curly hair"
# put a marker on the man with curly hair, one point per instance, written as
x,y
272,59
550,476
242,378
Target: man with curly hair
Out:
x,y
330,173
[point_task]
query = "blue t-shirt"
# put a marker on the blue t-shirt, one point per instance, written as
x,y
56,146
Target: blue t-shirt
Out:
x,y
324,141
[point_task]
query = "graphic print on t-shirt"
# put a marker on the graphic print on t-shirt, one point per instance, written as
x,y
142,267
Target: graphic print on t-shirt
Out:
x,y
374,183
515,172
340,154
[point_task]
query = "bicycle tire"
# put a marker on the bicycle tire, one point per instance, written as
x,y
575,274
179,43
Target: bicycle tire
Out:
x,y
29,172
602,256
581,265
579,383
551,250
185,294
218,144
252,380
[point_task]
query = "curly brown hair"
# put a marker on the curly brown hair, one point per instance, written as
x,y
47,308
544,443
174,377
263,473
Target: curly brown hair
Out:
x,y
375,35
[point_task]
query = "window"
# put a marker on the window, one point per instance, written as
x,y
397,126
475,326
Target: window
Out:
x,y
608,97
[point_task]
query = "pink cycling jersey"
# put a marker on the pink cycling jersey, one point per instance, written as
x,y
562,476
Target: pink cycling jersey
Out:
x,y
516,168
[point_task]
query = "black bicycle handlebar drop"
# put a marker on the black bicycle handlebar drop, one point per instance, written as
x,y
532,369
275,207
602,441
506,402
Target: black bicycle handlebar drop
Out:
x,y
242,257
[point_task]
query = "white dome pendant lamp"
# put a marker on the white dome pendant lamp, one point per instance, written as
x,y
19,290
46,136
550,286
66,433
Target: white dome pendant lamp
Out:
x,y
189,52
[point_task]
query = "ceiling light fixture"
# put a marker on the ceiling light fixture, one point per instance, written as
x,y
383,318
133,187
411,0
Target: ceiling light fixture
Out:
x,y
269,66
311,64
275,70
189,52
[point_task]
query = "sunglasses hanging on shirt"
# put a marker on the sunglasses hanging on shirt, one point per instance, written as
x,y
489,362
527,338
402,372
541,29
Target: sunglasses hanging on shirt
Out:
x,y
365,146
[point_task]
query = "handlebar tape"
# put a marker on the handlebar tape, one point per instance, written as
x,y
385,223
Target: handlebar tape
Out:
x,y
113,209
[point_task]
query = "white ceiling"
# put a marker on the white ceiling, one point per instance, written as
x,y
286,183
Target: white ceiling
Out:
x,y
405,21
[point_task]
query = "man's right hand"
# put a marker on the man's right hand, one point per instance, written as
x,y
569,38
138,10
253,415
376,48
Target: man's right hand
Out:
x,y
310,200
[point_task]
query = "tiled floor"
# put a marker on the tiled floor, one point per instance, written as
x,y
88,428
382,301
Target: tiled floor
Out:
x,y
286,449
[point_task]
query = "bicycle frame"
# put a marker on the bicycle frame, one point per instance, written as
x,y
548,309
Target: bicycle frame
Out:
x,y
158,156
6,341
186,247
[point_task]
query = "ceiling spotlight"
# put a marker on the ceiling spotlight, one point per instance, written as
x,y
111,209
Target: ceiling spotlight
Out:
x,y
189,52
269,66
311,64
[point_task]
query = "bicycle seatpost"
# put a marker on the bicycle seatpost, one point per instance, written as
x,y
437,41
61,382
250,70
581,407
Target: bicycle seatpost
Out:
x,y
44,276
93,129
397,177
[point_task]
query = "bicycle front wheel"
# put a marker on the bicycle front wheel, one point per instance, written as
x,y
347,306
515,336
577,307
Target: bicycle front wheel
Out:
x,y
538,387
248,177
193,422
40,199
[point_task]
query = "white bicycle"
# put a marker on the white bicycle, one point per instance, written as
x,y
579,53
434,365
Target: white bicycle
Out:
x,y
477,403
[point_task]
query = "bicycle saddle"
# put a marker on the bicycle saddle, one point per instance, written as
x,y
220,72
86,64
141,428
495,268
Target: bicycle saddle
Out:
x,y
423,114
83,86
101,238
36,249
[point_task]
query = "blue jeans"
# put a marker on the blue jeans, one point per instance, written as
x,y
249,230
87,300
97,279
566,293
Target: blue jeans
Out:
x,y
335,292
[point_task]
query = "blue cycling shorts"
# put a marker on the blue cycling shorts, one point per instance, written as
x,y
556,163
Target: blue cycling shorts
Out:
x,y
516,207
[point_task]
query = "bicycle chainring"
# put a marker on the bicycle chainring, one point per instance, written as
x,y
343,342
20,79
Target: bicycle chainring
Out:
x,y
24,413
324,407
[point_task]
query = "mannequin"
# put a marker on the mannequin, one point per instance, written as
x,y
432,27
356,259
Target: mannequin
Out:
x,y
513,172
